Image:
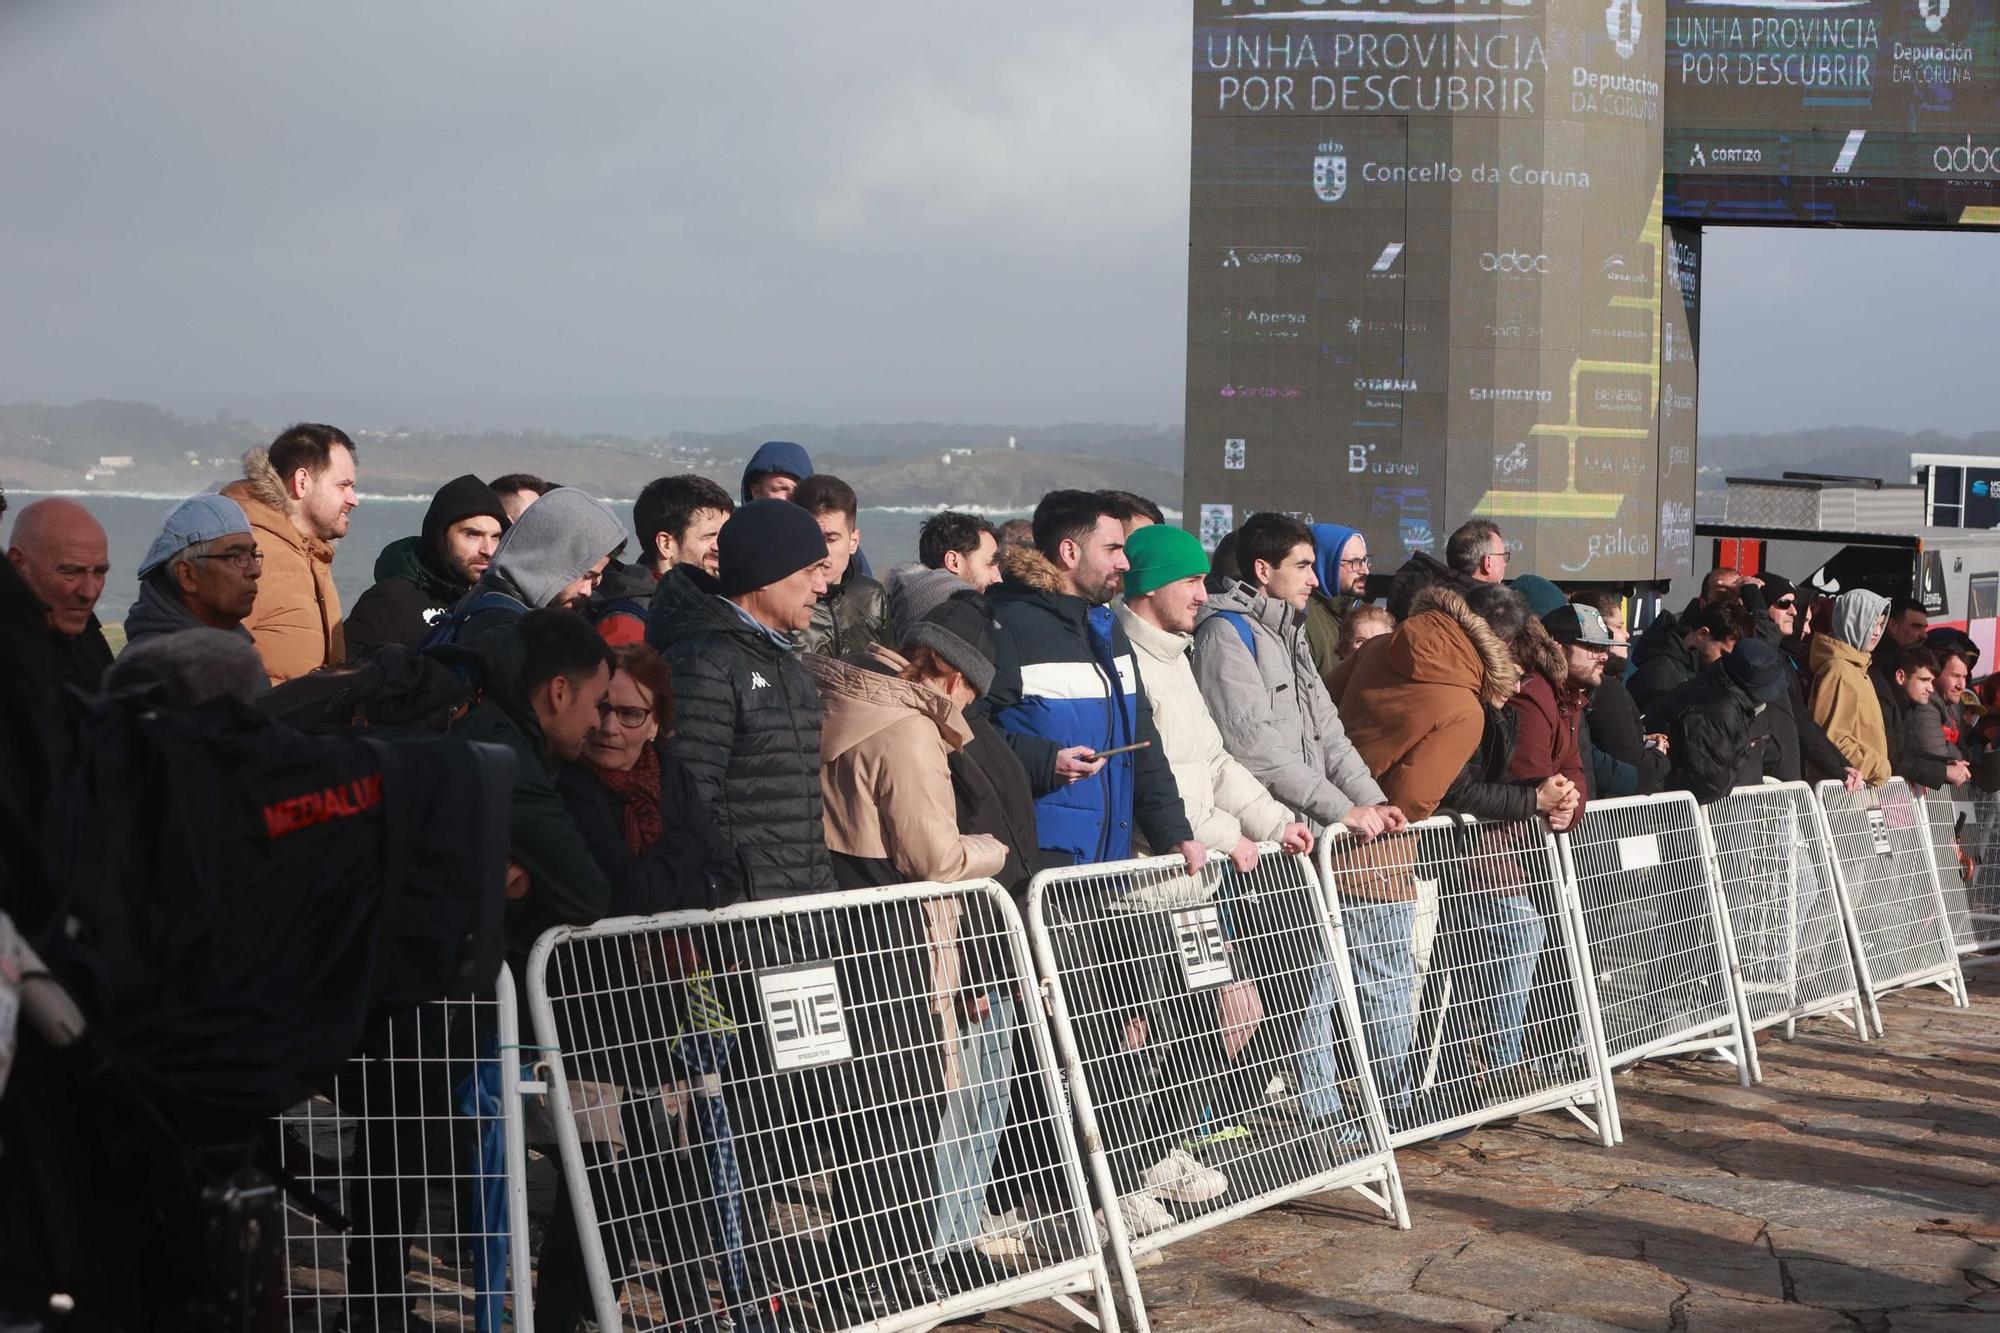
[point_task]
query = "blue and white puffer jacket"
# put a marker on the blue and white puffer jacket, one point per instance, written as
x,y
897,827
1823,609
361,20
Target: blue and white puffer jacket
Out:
x,y
1064,676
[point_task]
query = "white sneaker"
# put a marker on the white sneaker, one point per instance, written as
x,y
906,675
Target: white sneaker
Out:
x,y
1179,1177
1004,1235
1143,1213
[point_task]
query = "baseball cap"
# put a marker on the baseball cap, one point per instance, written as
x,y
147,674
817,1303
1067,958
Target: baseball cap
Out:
x,y
199,518
1574,623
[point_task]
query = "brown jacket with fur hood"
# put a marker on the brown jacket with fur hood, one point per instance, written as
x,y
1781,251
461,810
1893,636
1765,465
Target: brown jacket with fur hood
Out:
x,y
1549,714
1412,700
885,746
296,621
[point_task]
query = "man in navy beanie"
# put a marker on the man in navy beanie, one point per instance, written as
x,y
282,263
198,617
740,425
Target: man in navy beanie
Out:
x,y
747,717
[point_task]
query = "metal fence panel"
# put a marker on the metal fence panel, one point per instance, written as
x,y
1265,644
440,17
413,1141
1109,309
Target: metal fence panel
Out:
x,y
1788,919
415,1157
1965,845
1210,1042
1467,974
824,1112
1653,919
1882,851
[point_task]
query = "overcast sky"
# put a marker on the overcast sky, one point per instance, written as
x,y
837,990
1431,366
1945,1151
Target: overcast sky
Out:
x,y
721,213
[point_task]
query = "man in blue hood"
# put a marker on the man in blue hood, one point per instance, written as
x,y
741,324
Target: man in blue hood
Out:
x,y
1340,559
775,471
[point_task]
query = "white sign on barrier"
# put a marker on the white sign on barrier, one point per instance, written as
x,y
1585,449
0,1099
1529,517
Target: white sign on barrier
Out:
x,y
1883,852
1641,852
1204,957
803,1019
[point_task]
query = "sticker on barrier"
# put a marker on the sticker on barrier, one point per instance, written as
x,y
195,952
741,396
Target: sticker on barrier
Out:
x,y
414,1164
1965,845
1882,851
1661,965
824,1112
1466,971
1210,1043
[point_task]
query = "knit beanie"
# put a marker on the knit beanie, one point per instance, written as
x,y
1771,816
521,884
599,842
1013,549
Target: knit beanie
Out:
x,y
1543,596
1161,554
766,542
914,590
458,499
1758,669
960,630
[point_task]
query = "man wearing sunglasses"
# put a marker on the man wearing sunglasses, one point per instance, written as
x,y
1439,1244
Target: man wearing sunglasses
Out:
x,y
1778,612
201,572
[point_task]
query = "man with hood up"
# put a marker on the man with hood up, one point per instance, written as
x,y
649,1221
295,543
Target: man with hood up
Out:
x,y
1844,702
1340,561
553,556
418,578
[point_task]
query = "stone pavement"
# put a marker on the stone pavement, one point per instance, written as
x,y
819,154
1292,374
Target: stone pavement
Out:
x,y
1858,1188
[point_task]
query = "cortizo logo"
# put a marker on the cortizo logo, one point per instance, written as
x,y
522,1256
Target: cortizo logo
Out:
x,y
1518,263
1966,158
1238,256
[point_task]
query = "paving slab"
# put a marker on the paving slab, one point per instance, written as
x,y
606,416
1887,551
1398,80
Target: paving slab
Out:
x,y
1857,1189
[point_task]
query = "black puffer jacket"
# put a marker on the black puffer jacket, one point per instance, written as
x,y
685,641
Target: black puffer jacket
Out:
x,y
1717,737
678,588
747,727
993,796
1804,752
1482,788
850,619
1660,661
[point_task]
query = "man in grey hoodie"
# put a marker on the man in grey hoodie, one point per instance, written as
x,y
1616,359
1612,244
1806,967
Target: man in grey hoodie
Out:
x,y
1256,672
553,556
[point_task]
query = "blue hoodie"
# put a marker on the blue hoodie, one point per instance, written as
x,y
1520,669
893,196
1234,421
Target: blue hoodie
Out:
x,y
1329,539
777,456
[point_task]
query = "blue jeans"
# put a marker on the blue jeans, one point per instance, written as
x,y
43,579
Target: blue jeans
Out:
x,y
1381,951
1506,935
969,1129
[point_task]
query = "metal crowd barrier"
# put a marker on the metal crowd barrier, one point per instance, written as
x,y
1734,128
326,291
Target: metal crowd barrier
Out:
x,y
1467,970
1788,917
1965,844
823,1112
1882,852
1210,1041
415,1162
1653,917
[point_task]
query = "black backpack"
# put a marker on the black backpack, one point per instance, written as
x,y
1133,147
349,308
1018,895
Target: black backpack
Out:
x,y
391,686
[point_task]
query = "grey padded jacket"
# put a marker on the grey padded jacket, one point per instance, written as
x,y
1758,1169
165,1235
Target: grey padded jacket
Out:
x,y
1273,709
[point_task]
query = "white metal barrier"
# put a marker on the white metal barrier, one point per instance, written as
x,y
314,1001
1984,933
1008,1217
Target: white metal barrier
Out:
x,y
1211,1046
1965,845
823,1112
1665,978
1466,967
1882,852
1788,918
415,1158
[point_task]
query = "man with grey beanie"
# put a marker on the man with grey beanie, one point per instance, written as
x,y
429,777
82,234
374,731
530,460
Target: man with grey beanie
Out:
x,y
552,556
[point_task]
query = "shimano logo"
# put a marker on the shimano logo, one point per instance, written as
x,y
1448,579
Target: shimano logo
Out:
x,y
1497,395
1516,262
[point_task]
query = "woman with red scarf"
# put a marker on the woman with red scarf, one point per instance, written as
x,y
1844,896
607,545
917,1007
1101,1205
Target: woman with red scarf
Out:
x,y
637,808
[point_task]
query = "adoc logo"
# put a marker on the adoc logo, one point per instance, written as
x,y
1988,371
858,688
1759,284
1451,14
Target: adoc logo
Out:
x,y
1966,158
1515,263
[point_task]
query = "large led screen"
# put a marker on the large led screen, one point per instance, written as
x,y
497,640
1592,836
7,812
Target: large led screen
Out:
x,y
1858,112
1427,270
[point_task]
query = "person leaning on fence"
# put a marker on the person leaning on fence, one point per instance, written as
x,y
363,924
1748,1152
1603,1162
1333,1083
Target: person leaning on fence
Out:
x,y
748,722
1915,728
1624,761
1064,688
652,838
1718,724
1804,752
1844,701
1673,649
1266,696
891,819
1548,713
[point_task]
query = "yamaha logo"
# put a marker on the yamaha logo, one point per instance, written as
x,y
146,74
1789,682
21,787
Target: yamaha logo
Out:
x,y
1933,13
1622,24
1330,172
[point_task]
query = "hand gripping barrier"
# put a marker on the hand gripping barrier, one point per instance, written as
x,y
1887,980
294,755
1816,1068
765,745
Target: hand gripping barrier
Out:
x,y
1965,845
1664,974
1463,957
1788,918
1882,853
824,1112
1210,1044
415,1165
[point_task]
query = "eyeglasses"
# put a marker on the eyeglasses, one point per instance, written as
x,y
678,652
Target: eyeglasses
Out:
x,y
1357,562
243,560
629,717
1785,604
